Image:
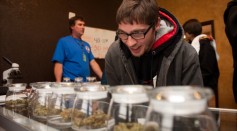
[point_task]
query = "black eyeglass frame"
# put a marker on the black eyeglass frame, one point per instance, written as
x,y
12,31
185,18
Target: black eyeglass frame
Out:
x,y
127,35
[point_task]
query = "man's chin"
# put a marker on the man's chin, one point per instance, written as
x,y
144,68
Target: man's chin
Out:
x,y
137,54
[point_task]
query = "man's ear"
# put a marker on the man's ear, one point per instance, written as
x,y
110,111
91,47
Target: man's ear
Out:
x,y
158,24
71,27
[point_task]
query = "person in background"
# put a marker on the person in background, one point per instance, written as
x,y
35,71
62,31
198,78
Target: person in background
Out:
x,y
73,57
150,49
230,20
206,49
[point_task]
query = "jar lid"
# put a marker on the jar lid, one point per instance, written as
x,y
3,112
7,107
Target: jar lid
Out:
x,y
17,86
130,94
91,91
40,85
63,90
45,90
64,84
180,100
90,79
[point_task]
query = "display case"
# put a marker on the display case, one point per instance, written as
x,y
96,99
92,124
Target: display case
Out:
x,y
10,120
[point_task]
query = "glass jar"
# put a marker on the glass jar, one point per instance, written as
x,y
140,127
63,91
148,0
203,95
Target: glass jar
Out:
x,y
16,100
60,107
38,85
34,94
128,107
16,95
43,93
40,104
90,108
180,108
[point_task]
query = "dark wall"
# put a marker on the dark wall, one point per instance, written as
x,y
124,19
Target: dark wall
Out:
x,y
30,29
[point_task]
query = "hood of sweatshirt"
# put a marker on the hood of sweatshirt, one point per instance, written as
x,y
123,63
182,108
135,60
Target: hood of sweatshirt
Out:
x,y
170,32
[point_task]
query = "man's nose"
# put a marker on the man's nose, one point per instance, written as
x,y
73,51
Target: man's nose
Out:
x,y
130,41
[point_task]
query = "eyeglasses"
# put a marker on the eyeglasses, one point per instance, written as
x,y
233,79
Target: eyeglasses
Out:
x,y
136,35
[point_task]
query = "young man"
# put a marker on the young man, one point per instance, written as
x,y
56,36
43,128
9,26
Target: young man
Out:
x,y
206,49
73,57
150,49
230,19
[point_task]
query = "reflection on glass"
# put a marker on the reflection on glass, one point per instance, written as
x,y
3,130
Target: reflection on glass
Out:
x,y
181,108
66,79
90,79
127,107
78,80
90,108
60,106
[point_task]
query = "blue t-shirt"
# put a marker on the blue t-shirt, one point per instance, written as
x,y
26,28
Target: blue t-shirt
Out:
x,y
75,55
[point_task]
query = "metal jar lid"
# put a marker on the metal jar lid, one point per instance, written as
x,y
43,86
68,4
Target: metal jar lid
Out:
x,y
17,86
64,84
63,90
130,94
41,85
180,100
91,91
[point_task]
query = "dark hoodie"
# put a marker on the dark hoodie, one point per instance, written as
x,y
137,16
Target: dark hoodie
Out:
x,y
171,59
230,19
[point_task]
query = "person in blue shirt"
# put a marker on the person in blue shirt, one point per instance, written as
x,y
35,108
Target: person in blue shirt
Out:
x,y
73,56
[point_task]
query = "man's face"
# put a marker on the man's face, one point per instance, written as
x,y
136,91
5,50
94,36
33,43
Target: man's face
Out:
x,y
79,28
140,46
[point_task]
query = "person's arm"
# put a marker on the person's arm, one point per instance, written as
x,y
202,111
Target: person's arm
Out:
x,y
208,63
58,71
96,68
191,71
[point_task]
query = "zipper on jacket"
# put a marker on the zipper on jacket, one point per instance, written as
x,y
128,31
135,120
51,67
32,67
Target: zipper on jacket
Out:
x,y
129,74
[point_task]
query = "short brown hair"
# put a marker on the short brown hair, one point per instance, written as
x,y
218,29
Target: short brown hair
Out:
x,y
139,11
193,26
73,20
